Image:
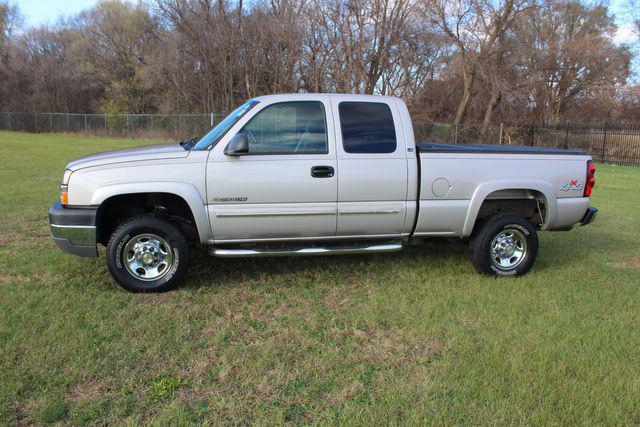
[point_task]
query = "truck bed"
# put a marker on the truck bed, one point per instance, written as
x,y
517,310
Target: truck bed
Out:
x,y
431,147
456,179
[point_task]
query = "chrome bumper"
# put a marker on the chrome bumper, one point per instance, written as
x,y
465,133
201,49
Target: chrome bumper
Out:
x,y
83,235
73,229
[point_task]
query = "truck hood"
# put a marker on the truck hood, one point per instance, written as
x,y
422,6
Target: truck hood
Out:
x,y
147,152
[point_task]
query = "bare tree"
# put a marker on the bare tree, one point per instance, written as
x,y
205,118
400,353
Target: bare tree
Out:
x,y
518,61
474,27
568,52
118,40
9,20
361,44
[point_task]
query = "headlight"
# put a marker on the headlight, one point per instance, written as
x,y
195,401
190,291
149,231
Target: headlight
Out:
x,y
66,176
64,187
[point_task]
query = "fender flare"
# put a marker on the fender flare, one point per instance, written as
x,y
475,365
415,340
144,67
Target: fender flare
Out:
x,y
483,190
184,190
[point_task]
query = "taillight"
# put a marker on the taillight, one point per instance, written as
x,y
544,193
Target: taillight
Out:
x,y
591,178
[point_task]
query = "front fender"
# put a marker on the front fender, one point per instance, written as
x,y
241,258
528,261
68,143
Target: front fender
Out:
x,y
483,190
187,191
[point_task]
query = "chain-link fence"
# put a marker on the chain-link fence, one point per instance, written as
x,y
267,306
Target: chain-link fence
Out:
x,y
156,126
462,134
619,144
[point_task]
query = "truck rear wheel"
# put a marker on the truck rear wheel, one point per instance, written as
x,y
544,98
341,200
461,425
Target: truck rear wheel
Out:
x,y
147,254
504,245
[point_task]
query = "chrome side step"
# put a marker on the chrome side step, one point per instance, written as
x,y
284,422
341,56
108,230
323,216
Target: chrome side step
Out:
x,y
298,251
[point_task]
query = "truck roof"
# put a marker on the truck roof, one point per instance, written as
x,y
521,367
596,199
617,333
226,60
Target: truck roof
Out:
x,y
307,96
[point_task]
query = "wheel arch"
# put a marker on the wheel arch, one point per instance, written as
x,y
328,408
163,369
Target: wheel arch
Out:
x,y
181,197
510,190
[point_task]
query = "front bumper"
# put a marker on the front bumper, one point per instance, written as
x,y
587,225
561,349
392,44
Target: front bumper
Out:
x,y
589,216
74,229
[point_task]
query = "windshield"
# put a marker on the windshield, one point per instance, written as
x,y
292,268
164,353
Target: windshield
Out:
x,y
213,136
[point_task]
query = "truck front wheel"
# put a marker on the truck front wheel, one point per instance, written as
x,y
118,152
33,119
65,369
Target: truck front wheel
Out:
x,y
147,254
504,245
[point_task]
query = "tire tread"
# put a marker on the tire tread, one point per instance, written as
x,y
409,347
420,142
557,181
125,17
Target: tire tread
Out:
x,y
129,282
484,233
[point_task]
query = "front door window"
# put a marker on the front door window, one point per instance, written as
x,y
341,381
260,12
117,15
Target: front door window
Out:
x,y
288,128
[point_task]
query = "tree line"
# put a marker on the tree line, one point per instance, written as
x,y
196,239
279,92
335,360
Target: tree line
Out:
x,y
474,61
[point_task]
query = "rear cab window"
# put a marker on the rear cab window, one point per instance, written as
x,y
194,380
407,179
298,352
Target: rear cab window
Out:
x,y
367,127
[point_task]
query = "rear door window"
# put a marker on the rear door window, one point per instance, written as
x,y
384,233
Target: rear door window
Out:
x,y
367,127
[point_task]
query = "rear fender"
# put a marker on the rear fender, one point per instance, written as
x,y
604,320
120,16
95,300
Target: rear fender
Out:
x,y
483,190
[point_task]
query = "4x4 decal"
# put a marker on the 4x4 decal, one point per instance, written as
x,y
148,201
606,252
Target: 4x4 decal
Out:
x,y
574,184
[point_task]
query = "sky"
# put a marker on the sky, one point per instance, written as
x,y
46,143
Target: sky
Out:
x,y
623,21
37,12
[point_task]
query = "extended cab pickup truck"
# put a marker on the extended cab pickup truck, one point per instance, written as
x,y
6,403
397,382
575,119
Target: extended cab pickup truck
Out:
x,y
315,174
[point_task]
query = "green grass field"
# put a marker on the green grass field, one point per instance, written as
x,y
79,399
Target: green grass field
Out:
x,y
412,337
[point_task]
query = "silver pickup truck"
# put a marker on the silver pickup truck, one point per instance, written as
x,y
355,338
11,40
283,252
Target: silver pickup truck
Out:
x,y
315,174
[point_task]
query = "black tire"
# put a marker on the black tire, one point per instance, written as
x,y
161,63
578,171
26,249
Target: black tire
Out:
x,y
172,249
524,240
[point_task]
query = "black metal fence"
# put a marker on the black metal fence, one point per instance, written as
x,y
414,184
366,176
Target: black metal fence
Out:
x,y
618,144
607,143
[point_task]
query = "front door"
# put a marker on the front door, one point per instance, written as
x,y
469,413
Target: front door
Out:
x,y
285,187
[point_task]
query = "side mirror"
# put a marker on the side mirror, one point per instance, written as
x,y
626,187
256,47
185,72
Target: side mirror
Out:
x,y
238,145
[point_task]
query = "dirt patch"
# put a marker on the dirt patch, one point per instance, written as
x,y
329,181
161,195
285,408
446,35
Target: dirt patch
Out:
x,y
337,297
632,263
13,279
88,390
393,347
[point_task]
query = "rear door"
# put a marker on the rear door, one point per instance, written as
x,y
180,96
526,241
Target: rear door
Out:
x,y
285,187
372,160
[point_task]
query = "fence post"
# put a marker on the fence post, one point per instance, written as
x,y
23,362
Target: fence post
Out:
x,y
152,122
533,135
51,122
179,126
604,142
86,130
500,137
127,125
455,134
67,121
211,119
9,118
566,137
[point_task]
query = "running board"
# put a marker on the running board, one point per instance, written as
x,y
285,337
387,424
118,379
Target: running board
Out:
x,y
297,251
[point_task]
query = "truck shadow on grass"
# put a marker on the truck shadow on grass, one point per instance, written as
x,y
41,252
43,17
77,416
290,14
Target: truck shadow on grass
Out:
x,y
435,257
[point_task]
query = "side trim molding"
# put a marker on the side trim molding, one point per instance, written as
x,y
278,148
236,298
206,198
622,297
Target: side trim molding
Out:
x,y
371,212
261,214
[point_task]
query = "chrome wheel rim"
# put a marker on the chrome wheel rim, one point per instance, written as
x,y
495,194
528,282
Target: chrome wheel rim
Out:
x,y
508,249
148,257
